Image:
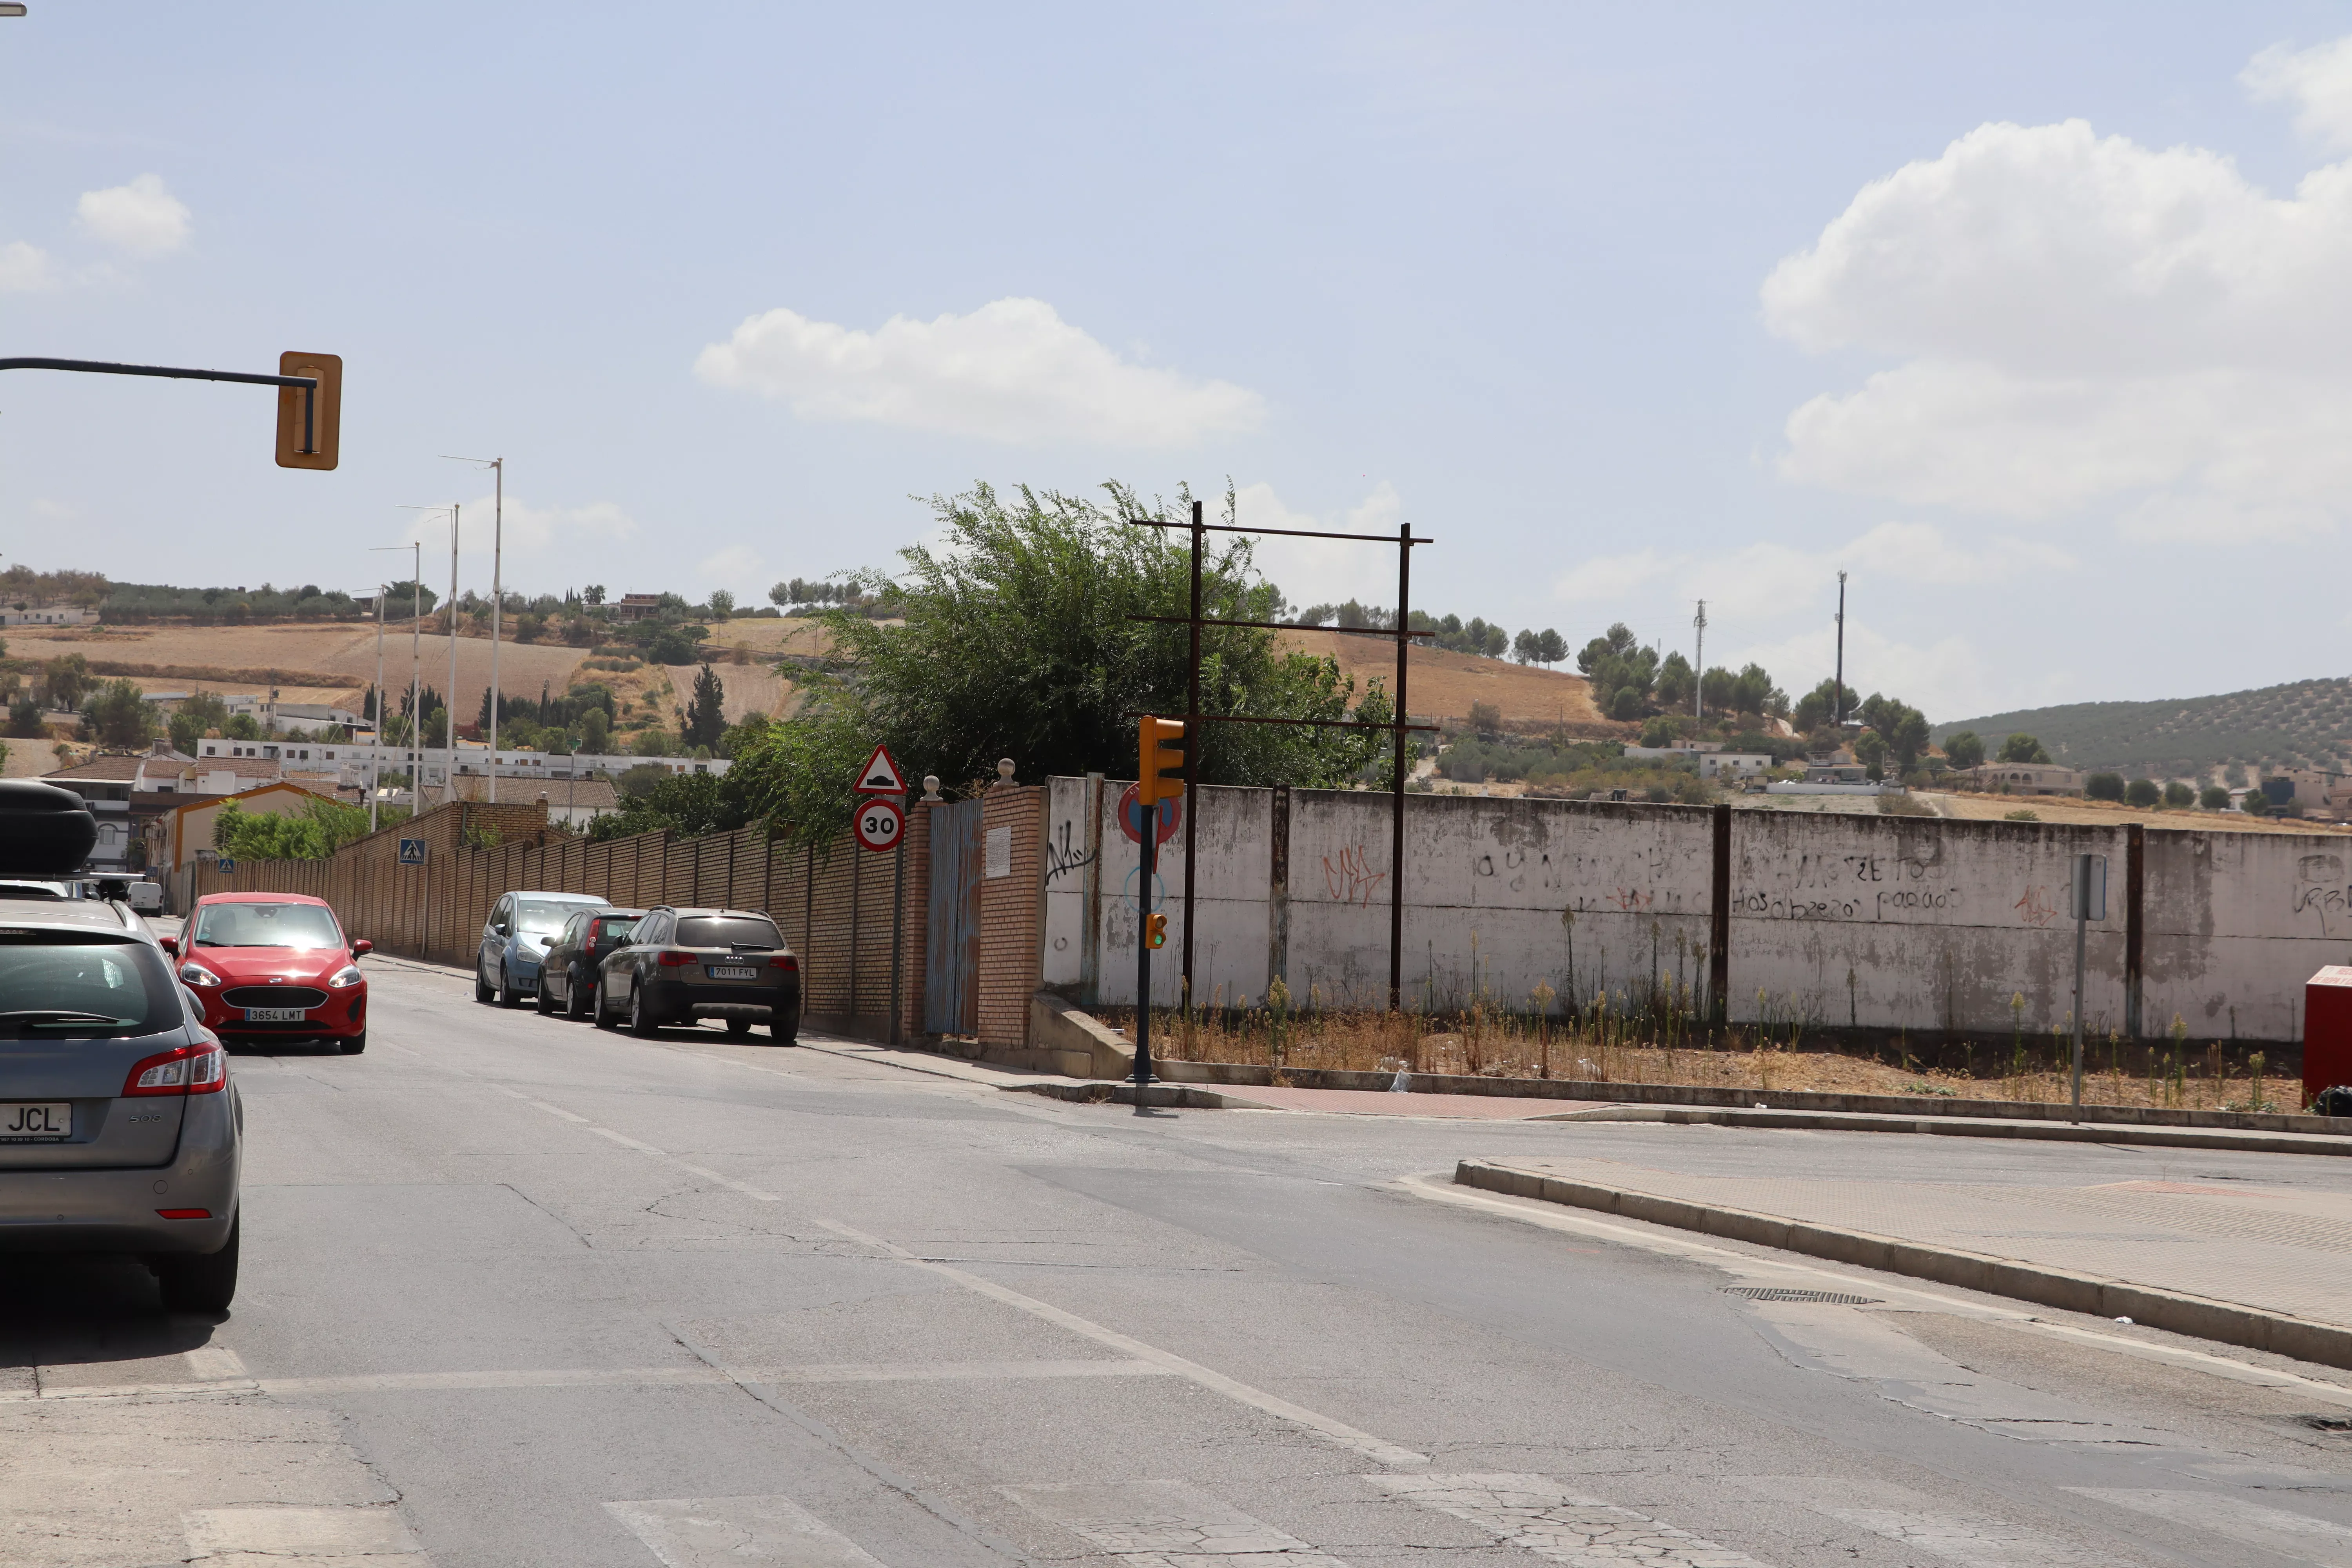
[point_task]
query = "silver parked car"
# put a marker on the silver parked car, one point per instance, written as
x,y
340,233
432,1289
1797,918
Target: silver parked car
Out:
x,y
119,1127
515,940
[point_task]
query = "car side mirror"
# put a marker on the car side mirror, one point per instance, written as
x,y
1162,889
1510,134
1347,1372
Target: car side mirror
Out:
x,y
361,948
169,944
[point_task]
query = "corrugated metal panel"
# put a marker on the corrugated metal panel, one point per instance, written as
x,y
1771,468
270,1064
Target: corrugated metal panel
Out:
x,y
952,940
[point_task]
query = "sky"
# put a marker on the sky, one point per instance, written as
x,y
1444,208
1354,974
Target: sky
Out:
x,y
2032,318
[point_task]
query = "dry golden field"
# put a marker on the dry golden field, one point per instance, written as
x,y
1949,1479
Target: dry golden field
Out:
x,y
1442,684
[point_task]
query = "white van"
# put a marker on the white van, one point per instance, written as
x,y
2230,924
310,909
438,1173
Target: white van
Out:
x,y
147,898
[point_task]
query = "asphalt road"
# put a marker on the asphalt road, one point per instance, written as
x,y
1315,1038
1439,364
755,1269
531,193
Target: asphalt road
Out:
x,y
518,1291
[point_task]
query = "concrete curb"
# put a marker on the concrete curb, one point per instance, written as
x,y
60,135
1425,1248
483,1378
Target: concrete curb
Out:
x,y
1970,1127
1167,1094
2328,1344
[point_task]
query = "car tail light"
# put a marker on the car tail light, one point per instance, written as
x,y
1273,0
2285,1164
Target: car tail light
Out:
x,y
670,958
189,1069
786,961
185,1213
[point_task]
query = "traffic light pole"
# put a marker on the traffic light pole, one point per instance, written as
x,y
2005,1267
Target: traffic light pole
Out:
x,y
1150,813
101,367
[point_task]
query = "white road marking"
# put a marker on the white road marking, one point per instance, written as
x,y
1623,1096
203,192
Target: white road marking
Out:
x,y
286,1537
723,1531
598,1377
2297,1537
214,1362
1538,1514
1749,1266
637,1145
1377,1449
1912,1517
1166,1524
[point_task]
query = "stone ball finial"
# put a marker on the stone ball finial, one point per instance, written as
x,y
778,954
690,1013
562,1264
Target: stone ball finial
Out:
x,y
930,786
1004,769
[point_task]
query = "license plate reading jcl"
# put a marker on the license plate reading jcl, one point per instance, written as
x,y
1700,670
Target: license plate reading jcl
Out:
x,y
273,1014
733,972
35,1121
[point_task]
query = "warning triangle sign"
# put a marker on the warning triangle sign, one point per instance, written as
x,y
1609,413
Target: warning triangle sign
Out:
x,y
881,775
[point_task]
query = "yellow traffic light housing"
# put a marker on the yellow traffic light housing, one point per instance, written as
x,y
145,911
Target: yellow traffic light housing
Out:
x,y
309,419
1161,742
1155,931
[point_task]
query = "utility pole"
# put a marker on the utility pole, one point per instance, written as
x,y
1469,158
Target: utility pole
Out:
x,y
375,741
497,466
1837,703
450,737
1699,669
416,681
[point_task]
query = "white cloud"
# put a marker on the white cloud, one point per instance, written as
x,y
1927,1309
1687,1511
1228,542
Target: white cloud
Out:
x,y
2316,81
141,217
736,569
1614,576
526,530
25,268
1012,371
2081,322
1325,571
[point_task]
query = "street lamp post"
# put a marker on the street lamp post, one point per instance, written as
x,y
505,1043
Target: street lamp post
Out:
x,y
497,466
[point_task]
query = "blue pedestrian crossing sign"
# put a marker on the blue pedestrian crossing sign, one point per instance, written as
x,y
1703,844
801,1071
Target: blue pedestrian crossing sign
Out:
x,y
226,864
412,852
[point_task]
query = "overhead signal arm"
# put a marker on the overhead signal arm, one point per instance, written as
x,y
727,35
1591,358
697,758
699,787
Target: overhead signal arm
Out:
x,y
309,406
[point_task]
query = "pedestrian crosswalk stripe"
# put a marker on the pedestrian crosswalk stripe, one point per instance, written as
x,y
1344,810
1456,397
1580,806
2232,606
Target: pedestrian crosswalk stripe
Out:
x,y
2297,1537
1146,1524
725,1531
1539,1515
1919,1521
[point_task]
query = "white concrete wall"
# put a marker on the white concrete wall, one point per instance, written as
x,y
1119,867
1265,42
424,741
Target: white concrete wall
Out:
x,y
1877,921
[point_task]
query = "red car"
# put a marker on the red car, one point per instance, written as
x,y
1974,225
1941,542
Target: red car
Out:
x,y
273,965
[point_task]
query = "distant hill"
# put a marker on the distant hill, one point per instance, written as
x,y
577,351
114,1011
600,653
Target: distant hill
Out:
x,y
2304,723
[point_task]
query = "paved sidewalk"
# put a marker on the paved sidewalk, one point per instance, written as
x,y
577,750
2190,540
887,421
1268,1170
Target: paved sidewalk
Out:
x,y
2274,1249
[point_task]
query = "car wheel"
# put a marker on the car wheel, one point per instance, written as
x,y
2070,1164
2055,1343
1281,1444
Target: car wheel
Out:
x,y
641,1024
540,1000
507,995
598,1014
571,1007
482,992
785,1027
354,1044
199,1281
738,1028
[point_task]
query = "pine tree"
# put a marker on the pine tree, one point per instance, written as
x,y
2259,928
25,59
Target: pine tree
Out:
x,y
705,718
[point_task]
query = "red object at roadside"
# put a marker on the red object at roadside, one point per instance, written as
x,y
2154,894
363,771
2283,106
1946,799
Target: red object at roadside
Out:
x,y
2326,1030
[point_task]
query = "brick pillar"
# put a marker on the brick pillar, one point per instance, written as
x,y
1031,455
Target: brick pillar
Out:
x,y
914,915
1011,911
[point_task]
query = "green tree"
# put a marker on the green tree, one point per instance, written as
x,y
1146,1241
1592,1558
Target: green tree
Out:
x,y
65,677
1870,749
1673,685
1816,708
722,603
706,716
2102,786
2143,794
597,731
121,715
242,727
2254,803
1527,647
657,742
26,719
2179,796
1551,648
1964,749
1485,719
2214,797
2022,748
782,595
313,833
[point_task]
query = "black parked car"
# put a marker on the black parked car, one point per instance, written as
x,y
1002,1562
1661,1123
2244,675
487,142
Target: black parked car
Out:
x,y
680,965
568,975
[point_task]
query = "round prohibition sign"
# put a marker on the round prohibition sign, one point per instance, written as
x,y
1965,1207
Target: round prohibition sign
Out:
x,y
879,824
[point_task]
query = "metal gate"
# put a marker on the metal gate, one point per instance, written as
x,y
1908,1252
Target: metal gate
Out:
x,y
951,937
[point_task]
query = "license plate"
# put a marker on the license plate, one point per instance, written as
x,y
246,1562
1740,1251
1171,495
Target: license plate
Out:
x,y
733,972
35,1121
274,1015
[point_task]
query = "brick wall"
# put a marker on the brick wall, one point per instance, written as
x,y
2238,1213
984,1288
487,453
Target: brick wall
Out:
x,y
1011,911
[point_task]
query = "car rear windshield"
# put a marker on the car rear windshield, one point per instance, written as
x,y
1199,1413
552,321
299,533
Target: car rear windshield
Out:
x,y
54,983
612,928
728,931
266,925
537,915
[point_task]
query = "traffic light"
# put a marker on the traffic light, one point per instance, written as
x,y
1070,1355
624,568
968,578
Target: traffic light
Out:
x,y
1155,931
309,422
1161,743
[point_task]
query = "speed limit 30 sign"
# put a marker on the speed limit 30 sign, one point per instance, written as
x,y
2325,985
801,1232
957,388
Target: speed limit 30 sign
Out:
x,y
879,824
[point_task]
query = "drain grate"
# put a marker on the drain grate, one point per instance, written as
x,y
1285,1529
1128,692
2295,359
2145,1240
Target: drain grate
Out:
x,y
1826,1298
